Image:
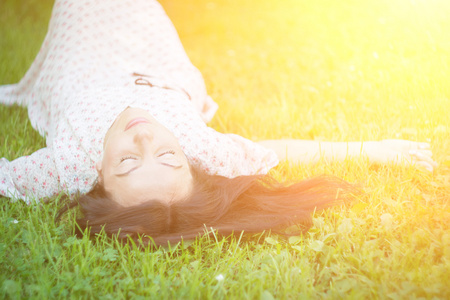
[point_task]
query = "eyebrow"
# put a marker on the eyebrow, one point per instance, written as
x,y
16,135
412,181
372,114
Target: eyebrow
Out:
x,y
135,168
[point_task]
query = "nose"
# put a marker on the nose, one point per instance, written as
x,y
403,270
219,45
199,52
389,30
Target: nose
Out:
x,y
142,136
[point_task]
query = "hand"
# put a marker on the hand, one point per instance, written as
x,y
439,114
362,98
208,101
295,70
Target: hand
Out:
x,y
402,151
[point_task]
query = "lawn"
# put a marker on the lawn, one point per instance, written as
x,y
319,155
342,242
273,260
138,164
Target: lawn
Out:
x,y
321,70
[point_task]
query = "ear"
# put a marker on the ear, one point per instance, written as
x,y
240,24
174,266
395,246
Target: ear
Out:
x,y
98,166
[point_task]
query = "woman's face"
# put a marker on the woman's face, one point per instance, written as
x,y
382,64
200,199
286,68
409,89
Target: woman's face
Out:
x,y
142,161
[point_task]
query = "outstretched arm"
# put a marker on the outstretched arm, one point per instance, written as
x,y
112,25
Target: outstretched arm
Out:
x,y
384,151
29,177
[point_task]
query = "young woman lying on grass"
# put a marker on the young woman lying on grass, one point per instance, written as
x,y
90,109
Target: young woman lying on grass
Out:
x,y
124,114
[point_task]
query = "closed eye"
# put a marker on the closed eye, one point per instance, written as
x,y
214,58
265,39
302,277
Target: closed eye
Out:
x,y
170,152
168,159
127,158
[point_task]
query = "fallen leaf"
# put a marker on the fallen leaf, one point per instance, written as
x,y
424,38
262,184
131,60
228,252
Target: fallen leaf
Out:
x,y
346,226
294,240
316,246
386,221
359,207
270,240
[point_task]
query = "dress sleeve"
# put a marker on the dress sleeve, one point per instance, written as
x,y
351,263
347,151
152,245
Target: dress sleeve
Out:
x,y
30,178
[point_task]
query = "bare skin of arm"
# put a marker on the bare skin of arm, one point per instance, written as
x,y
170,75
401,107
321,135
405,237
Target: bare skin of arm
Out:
x,y
385,151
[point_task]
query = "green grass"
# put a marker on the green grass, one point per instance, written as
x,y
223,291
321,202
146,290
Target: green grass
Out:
x,y
323,70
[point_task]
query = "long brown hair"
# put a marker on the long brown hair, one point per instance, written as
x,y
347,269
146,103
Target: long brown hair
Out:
x,y
247,203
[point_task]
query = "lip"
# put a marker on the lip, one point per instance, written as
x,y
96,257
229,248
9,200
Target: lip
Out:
x,y
135,122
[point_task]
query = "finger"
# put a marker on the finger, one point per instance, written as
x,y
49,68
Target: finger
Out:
x,y
418,145
428,153
424,165
421,157
424,146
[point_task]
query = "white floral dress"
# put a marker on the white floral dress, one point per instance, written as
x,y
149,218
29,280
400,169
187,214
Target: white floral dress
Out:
x,y
98,58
